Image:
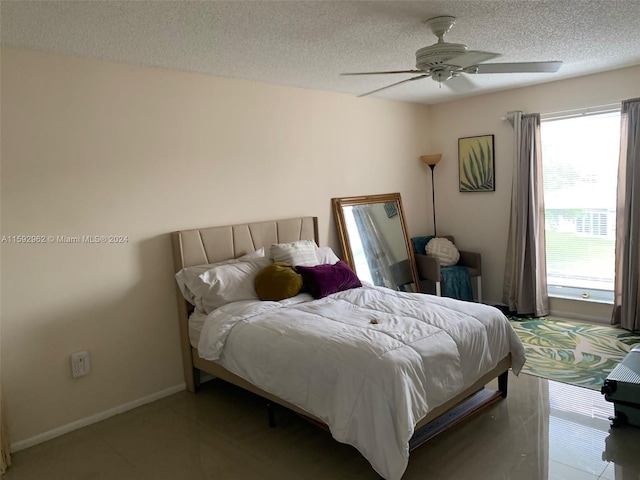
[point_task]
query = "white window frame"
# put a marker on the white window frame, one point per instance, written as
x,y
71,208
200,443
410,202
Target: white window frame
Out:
x,y
576,293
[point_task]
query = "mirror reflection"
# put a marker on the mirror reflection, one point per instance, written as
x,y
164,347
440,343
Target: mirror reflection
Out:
x,y
374,240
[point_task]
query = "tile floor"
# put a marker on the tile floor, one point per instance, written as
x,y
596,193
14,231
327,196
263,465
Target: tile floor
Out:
x,y
543,430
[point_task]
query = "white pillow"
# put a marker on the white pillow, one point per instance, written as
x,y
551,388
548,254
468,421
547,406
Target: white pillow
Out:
x,y
190,284
230,283
301,252
326,255
444,250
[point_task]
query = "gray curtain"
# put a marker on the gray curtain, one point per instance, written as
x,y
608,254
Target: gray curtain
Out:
x,y
508,287
525,279
626,312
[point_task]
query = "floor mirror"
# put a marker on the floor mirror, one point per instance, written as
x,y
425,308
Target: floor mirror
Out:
x,y
373,235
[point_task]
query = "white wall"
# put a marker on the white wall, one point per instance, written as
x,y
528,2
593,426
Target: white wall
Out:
x,y
480,221
93,148
97,148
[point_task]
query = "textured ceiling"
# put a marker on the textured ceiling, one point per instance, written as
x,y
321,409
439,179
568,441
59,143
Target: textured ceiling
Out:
x,y
309,43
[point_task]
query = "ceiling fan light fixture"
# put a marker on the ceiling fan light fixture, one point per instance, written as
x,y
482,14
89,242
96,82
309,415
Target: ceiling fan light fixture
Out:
x,y
441,75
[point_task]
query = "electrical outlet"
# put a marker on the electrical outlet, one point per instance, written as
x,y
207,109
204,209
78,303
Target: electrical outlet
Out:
x,y
80,365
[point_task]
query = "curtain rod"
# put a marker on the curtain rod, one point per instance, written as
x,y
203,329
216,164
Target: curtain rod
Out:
x,y
573,111
510,116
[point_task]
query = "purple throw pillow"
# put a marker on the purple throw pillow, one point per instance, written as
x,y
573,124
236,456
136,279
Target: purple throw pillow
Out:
x,y
323,280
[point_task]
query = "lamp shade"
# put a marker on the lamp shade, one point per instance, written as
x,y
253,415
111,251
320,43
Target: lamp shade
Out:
x,y
431,159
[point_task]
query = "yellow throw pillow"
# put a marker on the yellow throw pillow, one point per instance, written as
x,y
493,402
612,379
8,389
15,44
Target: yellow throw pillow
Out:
x,y
277,282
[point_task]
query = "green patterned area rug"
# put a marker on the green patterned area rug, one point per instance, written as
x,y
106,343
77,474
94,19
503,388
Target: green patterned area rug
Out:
x,y
581,354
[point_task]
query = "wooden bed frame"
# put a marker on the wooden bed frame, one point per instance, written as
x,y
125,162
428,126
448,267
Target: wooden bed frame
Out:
x,y
216,244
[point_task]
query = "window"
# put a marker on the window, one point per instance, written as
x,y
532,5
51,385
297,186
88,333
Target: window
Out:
x,y
580,168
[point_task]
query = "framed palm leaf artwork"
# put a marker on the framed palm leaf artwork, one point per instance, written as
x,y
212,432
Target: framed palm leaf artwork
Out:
x,y
477,164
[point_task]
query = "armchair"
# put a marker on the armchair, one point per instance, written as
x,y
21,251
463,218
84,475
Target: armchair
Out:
x,y
430,275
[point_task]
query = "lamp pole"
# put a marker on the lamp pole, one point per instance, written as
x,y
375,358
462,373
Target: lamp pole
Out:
x,y
432,160
433,194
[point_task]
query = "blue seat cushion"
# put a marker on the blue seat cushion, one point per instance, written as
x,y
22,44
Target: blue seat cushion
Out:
x,y
420,243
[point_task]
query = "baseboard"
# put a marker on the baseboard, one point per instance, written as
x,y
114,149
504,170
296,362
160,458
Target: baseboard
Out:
x,y
83,422
581,310
565,314
580,317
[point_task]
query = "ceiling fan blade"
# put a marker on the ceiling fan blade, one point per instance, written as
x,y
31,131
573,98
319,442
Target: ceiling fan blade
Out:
x,y
523,67
394,84
472,57
384,73
460,84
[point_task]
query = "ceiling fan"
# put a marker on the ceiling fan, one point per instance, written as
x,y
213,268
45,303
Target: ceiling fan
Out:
x,y
443,60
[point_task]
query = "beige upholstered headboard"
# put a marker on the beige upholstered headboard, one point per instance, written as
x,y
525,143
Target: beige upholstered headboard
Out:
x,y
216,244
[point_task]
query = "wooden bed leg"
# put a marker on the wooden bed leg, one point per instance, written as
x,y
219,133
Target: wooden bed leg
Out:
x,y
502,383
196,379
270,415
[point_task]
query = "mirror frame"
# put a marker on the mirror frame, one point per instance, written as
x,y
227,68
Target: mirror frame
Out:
x,y
340,202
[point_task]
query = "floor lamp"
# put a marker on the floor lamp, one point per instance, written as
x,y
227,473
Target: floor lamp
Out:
x,y
432,161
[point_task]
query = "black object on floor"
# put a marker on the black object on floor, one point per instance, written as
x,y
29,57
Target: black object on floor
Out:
x,y
622,387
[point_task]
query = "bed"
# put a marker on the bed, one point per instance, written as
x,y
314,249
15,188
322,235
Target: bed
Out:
x,y
374,377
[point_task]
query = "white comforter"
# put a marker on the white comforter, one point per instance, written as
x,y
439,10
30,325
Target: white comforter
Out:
x,y
370,362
